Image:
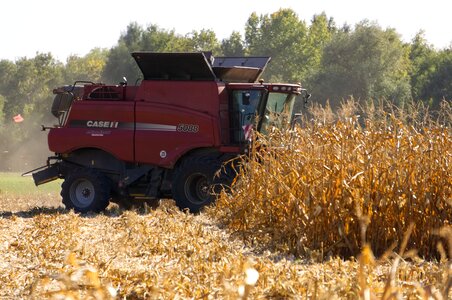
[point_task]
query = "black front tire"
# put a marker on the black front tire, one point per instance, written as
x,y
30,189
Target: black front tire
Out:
x,y
194,182
86,190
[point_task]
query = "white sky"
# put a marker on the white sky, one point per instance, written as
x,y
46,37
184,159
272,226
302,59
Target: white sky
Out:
x,y
75,27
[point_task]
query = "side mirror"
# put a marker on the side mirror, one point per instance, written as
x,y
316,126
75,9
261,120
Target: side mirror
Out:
x,y
305,95
124,81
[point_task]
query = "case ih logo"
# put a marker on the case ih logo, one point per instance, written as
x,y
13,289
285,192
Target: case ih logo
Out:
x,y
102,124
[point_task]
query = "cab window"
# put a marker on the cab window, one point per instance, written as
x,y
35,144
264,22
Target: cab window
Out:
x,y
245,104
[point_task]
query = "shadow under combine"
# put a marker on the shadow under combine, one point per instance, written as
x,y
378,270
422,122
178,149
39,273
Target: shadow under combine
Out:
x,y
112,211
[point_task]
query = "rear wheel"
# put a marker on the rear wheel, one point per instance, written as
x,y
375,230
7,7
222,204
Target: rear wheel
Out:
x,y
194,182
86,190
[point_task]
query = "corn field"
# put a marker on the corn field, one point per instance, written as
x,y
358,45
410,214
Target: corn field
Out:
x,y
335,185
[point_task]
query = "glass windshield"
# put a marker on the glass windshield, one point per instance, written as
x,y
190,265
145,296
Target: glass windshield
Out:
x,y
245,108
278,111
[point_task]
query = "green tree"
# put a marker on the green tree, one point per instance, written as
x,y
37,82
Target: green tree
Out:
x,y
27,90
320,33
233,46
7,71
120,64
2,104
365,63
439,83
423,59
5,132
204,40
88,67
133,36
283,36
119,60
31,84
253,33
159,40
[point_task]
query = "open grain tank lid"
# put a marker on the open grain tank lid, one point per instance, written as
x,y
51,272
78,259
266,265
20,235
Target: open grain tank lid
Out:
x,y
174,66
199,66
240,69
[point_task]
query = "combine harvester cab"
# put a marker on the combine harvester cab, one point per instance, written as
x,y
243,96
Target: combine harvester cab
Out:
x,y
167,137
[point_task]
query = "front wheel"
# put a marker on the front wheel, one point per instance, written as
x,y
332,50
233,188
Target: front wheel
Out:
x,y
193,182
86,190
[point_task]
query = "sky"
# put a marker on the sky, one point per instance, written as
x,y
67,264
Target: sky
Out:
x,y
75,27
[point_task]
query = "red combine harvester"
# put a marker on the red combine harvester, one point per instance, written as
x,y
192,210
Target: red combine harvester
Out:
x,y
165,137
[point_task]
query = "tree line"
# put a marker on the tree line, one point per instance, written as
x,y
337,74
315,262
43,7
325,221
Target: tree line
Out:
x,y
334,62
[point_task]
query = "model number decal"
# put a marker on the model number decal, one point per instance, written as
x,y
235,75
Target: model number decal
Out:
x,y
193,128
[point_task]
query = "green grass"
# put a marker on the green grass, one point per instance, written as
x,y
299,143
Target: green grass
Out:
x,y
15,184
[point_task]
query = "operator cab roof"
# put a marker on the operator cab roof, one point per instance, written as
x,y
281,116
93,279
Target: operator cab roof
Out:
x,y
199,66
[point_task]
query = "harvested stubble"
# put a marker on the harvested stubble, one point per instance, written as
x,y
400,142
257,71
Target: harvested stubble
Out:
x,y
331,187
166,254
50,253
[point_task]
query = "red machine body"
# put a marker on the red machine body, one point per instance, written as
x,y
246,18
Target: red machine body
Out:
x,y
166,136
156,126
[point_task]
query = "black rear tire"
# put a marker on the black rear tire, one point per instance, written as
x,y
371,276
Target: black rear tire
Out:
x,y
86,190
195,182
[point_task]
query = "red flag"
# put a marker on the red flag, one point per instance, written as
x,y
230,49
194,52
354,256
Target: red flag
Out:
x,y
18,118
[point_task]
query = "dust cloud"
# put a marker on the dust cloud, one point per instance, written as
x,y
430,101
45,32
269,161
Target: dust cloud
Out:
x,y
25,155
